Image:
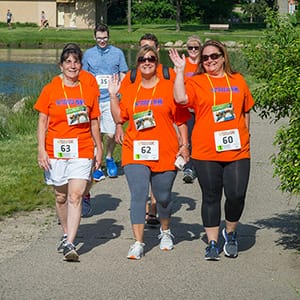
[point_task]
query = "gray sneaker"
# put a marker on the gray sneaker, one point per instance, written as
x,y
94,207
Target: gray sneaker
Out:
x,y
70,253
231,245
166,242
62,243
136,251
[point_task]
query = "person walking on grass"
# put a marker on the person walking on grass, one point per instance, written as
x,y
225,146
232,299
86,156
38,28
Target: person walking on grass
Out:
x,y
103,60
220,155
68,129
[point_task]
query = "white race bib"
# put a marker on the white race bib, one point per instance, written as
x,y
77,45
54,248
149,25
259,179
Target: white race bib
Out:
x,y
145,150
226,140
103,81
65,148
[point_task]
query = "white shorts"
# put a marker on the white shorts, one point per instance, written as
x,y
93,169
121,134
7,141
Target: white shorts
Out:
x,y
107,124
62,170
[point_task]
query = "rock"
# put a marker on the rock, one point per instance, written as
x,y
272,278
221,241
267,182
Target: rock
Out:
x,y
178,43
19,106
169,44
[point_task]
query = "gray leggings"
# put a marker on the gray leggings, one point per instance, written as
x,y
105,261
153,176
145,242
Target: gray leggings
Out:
x,y
138,178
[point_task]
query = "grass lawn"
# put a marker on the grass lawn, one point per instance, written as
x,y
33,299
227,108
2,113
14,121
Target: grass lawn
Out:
x,y
31,37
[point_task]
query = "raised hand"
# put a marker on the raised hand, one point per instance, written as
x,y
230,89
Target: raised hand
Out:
x,y
179,62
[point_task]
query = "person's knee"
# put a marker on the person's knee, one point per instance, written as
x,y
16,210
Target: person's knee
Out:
x,y
60,198
74,198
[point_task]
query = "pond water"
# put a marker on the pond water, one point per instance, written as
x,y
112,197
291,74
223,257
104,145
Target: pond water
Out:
x,y
20,69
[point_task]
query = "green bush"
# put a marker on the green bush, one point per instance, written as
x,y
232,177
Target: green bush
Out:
x,y
275,63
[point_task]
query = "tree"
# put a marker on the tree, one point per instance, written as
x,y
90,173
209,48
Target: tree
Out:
x,y
275,62
255,10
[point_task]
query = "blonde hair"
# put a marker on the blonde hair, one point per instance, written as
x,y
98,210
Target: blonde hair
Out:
x,y
193,38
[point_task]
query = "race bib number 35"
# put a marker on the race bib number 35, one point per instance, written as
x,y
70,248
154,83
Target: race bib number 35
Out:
x,y
226,140
145,150
103,81
65,148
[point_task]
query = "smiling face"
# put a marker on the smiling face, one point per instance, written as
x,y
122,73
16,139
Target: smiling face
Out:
x,y
193,49
102,38
147,64
71,67
213,64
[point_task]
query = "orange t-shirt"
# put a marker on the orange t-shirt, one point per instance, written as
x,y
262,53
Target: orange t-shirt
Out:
x,y
126,80
52,102
190,68
165,113
201,99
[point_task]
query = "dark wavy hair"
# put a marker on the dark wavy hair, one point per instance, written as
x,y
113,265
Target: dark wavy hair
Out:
x,y
71,48
222,48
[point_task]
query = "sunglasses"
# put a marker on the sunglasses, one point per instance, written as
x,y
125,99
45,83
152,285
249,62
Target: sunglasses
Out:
x,y
105,39
150,59
213,56
193,48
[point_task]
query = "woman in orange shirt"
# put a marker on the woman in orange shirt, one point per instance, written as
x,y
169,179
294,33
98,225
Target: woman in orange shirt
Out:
x,y
193,46
220,140
150,145
68,128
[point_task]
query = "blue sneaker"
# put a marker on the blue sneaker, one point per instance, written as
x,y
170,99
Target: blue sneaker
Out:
x,y
212,251
111,167
86,206
98,175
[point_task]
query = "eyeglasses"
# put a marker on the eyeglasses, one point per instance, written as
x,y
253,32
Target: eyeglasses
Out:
x,y
105,39
213,56
193,48
150,59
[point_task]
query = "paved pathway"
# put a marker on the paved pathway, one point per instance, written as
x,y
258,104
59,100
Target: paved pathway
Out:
x,y
268,265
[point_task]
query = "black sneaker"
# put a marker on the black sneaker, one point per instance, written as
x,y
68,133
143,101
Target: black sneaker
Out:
x,y
212,251
188,176
70,253
62,243
231,245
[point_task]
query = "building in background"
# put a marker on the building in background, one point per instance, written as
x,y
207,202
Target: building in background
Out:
x,y
61,13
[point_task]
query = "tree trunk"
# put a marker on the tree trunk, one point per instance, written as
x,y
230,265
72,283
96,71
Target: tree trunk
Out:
x,y
177,15
129,15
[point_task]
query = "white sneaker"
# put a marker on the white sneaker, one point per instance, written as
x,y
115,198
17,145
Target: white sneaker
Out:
x,y
136,251
166,242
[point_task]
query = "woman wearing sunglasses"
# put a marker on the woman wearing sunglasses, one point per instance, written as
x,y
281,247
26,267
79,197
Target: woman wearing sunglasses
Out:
x,y
220,140
150,145
193,46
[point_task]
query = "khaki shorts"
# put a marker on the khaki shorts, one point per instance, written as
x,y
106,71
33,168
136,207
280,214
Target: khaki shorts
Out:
x,y
62,170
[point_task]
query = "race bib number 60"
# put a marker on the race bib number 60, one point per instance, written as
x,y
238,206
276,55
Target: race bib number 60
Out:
x,y
145,150
226,140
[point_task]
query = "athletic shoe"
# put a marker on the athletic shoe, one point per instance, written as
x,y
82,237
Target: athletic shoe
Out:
x,y
136,251
166,242
188,176
231,245
98,175
70,253
111,167
86,206
212,251
152,220
62,243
